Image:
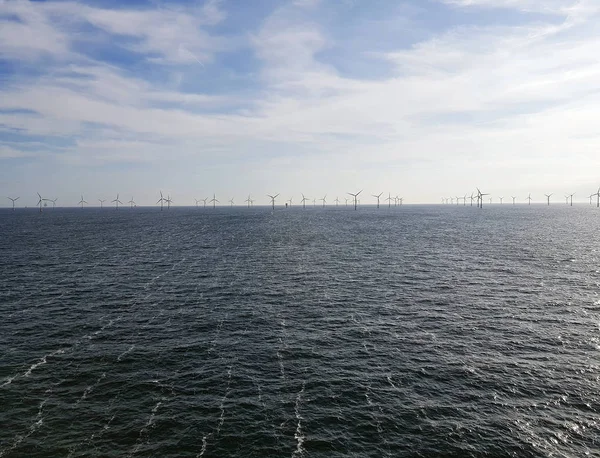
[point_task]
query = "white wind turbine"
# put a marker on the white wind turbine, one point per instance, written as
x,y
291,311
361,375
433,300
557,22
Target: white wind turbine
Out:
x,y
81,202
548,197
161,201
102,202
389,199
13,201
377,197
571,196
513,198
169,201
337,201
131,203
53,202
529,198
304,199
249,200
214,201
355,197
290,201
231,202
324,199
117,202
273,200
500,197
204,201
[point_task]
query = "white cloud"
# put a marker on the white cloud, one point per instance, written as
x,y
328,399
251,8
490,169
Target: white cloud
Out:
x,y
486,104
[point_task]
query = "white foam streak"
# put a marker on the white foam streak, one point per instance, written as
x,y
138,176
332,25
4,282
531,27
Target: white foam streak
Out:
x,y
298,434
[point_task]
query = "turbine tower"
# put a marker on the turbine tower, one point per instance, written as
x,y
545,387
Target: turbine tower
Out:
x,y
248,200
290,200
529,198
81,202
204,200
500,197
273,200
169,201
548,198
117,202
102,202
131,203
13,201
231,202
53,202
337,201
355,197
377,197
571,196
513,198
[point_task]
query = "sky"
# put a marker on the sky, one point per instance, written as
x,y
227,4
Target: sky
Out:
x,y
419,98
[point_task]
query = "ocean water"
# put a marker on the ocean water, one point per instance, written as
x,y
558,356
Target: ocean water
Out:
x,y
412,331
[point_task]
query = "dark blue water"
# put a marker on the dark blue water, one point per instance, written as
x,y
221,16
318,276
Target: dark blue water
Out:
x,y
415,331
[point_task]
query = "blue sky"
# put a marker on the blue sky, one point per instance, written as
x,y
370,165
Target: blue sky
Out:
x,y
418,98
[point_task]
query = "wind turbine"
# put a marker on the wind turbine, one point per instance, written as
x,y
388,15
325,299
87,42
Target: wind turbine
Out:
x,y
304,199
480,197
337,201
40,201
117,202
513,198
231,202
598,198
248,200
161,201
591,195
548,197
204,200
377,197
324,199
464,200
355,197
290,200
571,196
314,201
13,201
81,202
500,197
131,202
273,200
389,201
471,199
169,201
102,202
457,200
567,199
346,199
53,202
529,198
197,200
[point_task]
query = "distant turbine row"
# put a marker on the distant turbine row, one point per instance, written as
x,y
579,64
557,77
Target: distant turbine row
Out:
x,y
476,197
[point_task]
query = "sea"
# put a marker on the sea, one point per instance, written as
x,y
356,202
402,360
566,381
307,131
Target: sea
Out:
x,y
410,331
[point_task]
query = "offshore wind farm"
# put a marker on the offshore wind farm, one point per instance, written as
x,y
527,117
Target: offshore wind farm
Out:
x,y
354,229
